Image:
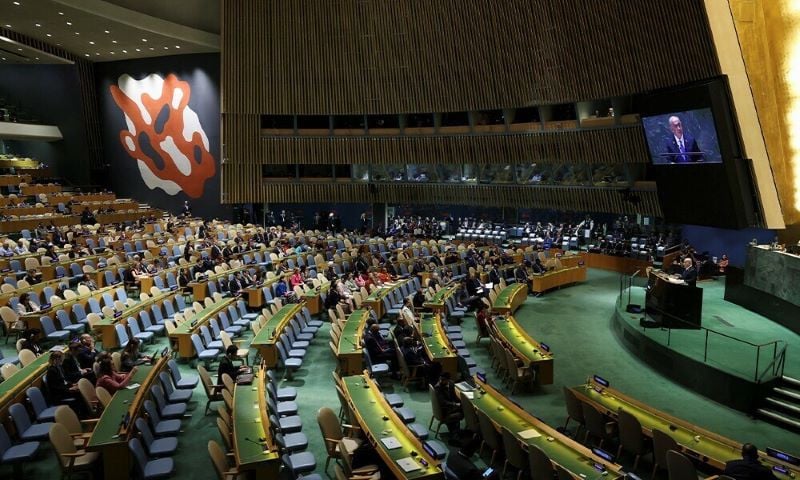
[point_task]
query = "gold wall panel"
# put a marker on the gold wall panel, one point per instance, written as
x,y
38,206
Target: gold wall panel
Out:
x,y
769,35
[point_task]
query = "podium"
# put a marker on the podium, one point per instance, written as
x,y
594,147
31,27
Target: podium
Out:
x,y
673,304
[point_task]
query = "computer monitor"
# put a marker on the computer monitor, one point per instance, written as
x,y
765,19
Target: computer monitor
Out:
x,y
783,456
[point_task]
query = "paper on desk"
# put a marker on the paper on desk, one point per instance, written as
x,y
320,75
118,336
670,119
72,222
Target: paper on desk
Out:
x,y
408,464
469,395
531,433
132,386
391,443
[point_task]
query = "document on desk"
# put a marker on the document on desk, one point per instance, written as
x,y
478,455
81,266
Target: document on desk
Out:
x,y
530,433
470,395
391,443
408,464
132,386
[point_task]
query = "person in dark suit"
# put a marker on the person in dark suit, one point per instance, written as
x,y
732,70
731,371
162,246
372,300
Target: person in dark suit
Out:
x,y
681,147
379,349
449,402
226,365
460,464
748,468
60,389
689,274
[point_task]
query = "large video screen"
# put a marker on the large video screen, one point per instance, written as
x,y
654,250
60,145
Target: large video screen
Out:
x,y
682,138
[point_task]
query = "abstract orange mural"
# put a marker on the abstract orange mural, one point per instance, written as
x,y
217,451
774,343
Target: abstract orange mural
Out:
x,y
163,134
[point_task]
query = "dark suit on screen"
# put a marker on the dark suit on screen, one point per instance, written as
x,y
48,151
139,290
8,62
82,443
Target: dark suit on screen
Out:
x,y
674,154
690,276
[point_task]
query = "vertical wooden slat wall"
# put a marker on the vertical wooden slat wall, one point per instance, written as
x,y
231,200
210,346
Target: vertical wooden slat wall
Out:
x,y
378,56
307,57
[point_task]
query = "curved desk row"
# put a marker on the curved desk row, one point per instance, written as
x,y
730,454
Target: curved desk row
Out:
x,y
253,447
107,325
510,298
182,335
525,348
111,434
266,339
557,278
697,443
438,303
379,421
437,345
528,430
349,352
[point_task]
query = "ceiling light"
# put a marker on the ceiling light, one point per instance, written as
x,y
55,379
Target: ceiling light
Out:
x,y
8,26
86,54
177,46
113,41
124,51
6,39
152,48
3,58
91,42
77,33
106,31
144,40
37,24
97,53
166,48
16,3
61,13
19,49
112,53
49,35
37,58
69,23
138,49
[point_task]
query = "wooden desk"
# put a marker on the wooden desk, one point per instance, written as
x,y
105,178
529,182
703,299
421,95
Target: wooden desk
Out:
x,y
711,449
625,265
110,437
36,289
183,332
250,421
349,352
40,188
13,390
437,345
14,180
562,450
107,325
200,289
525,348
557,278
437,303
510,298
378,420
268,336
375,299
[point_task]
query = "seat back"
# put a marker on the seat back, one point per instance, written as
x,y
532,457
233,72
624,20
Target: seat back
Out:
x,y
20,417
67,417
103,396
7,370
662,443
514,453
487,431
680,467
135,446
122,334
198,345
630,432
539,463
62,444
595,423
26,357
574,409
36,398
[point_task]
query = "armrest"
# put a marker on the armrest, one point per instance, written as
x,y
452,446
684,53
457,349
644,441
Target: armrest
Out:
x,y
232,473
73,455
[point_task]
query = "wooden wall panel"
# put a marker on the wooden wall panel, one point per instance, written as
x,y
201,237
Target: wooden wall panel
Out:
x,y
378,56
606,146
579,199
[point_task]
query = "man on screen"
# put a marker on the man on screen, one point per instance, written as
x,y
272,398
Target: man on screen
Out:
x,y
682,147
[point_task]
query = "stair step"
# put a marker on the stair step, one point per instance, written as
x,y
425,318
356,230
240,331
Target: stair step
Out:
x,y
794,408
787,393
778,417
791,381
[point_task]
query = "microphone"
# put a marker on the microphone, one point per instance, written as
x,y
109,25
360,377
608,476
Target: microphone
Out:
x,y
350,342
260,443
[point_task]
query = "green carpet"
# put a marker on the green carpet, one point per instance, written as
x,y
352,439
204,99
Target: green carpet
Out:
x,y
574,321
